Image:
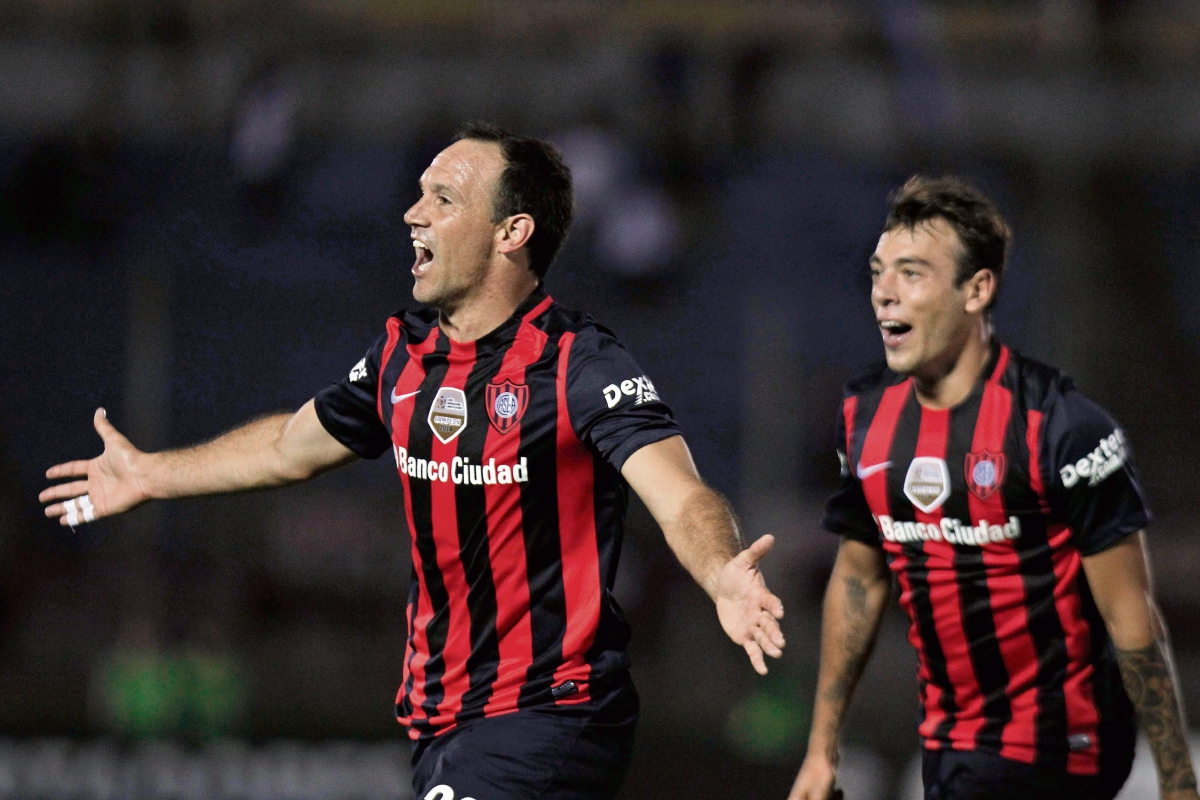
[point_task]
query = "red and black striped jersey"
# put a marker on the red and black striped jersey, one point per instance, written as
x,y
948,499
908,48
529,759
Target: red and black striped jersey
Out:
x,y
509,451
984,511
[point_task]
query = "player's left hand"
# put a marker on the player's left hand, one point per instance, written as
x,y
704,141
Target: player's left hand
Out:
x,y
748,611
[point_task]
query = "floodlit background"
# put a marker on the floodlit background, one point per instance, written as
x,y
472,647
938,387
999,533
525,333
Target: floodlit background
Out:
x,y
200,221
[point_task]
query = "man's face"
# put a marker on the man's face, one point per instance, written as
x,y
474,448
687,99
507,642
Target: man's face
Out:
x,y
923,317
452,229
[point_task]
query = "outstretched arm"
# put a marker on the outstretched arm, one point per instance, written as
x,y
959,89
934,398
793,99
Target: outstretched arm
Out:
x,y
270,451
855,601
702,532
1119,578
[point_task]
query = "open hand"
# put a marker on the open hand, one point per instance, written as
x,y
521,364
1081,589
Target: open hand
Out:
x,y
109,485
748,611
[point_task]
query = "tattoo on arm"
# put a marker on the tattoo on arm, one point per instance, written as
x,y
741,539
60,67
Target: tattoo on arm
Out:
x,y
1147,677
857,640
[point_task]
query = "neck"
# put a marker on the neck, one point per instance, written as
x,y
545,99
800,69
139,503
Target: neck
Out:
x,y
950,383
485,309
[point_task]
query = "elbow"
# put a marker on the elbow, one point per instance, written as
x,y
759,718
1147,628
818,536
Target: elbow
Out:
x,y
287,470
1133,624
292,473
299,467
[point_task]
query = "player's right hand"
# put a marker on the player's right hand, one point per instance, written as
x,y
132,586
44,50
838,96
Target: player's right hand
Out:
x,y
110,480
816,780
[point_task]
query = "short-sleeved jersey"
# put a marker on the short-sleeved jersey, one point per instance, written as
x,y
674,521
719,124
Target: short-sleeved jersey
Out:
x,y
509,451
984,512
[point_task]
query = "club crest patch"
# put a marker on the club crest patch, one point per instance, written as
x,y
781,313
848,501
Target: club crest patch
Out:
x,y
984,472
448,413
927,483
506,403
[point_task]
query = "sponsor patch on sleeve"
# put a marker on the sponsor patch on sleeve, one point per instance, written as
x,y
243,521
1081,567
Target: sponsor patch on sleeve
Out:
x,y
1108,457
640,388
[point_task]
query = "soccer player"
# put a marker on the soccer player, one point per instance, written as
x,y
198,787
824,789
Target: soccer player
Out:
x,y
518,428
1006,505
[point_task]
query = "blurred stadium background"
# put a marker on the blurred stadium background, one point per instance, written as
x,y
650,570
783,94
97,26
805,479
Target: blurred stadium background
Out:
x,y
200,220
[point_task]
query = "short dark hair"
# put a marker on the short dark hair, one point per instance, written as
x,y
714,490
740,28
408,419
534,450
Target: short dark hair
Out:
x,y
984,234
536,182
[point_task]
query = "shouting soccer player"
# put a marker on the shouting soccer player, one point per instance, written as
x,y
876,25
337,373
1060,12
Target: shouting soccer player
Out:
x,y
1006,505
517,428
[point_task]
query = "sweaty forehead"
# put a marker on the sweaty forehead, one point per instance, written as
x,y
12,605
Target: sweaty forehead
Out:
x,y
468,166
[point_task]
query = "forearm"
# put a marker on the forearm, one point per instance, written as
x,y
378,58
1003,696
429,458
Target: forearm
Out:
x,y
251,456
853,610
1148,674
704,536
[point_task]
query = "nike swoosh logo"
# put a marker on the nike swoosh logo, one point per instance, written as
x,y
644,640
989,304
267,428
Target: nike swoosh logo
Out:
x,y
400,398
866,472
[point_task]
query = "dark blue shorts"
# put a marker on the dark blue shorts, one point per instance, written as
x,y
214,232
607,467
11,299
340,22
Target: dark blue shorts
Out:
x,y
979,775
578,752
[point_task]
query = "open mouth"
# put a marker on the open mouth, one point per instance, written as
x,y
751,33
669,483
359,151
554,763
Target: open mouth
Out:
x,y
894,332
424,258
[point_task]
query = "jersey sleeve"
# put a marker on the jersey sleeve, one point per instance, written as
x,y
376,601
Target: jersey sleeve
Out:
x,y
1093,484
614,408
846,512
348,408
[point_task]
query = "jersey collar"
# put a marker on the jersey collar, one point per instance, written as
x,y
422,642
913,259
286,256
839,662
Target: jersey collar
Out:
x,y
507,330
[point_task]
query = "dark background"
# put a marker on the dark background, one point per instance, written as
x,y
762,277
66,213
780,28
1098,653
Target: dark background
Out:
x,y
200,221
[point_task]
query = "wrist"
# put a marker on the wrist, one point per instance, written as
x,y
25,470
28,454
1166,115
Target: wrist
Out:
x,y
711,576
823,748
710,580
143,468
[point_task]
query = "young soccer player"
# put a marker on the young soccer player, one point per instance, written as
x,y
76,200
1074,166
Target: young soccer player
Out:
x,y
1006,505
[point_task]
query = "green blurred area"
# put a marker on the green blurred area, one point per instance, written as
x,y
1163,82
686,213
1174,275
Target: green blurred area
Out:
x,y
770,725
146,694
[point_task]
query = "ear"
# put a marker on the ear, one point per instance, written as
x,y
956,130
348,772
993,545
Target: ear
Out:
x,y
980,289
514,233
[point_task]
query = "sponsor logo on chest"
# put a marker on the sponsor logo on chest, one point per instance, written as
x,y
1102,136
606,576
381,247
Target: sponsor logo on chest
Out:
x,y
954,531
448,414
461,470
927,483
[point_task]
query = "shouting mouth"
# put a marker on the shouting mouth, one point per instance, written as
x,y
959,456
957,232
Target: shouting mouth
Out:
x,y
895,333
424,258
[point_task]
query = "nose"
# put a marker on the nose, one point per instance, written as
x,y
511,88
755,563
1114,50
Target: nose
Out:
x,y
883,288
415,216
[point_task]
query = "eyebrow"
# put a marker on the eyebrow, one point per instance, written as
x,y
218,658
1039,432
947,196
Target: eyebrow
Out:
x,y
900,261
441,188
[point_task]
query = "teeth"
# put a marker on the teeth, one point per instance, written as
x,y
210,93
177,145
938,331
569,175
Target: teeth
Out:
x,y
420,245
